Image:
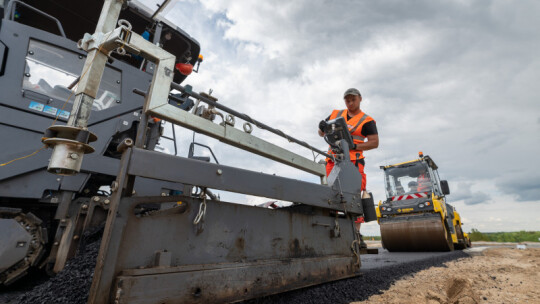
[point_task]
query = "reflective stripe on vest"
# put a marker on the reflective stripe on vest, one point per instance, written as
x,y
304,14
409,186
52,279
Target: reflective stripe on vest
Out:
x,y
360,138
359,123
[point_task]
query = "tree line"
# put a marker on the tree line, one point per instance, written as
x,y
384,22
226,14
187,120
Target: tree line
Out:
x,y
475,236
518,236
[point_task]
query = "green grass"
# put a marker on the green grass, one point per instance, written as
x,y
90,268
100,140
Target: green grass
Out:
x,y
475,235
519,236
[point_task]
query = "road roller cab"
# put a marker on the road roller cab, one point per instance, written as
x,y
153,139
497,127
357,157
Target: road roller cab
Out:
x,y
413,187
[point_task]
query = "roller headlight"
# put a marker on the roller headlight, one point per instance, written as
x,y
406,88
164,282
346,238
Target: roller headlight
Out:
x,y
421,205
388,209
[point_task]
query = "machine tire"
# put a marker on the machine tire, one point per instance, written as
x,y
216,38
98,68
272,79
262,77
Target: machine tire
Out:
x,y
449,239
28,233
462,242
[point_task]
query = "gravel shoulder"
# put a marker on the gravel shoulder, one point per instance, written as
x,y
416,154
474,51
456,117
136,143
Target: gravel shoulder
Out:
x,y
499,275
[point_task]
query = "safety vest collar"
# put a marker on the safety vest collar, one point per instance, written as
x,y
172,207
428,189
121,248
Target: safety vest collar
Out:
x,y
337,113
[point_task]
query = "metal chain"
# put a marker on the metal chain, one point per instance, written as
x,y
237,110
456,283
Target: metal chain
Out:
x,y
202,209
357,240
355,251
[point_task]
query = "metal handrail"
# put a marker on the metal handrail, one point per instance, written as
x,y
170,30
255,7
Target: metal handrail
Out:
x,y
245,117
173,139
11,11
191,151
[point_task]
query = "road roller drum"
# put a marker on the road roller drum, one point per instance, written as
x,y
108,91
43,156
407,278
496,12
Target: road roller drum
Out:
x,y
419,233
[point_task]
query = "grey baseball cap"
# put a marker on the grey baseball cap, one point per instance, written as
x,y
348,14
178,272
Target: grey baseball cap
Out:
x,y
352,91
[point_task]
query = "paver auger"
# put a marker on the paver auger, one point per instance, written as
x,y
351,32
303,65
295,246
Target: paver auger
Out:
x,y
174,246
415,215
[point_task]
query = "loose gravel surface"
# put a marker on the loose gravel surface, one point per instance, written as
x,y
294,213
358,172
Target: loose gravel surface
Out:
x,y
71,285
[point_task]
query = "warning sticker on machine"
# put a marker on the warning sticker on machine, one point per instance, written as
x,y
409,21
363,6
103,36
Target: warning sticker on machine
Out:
x,y
36,106
63,114
406,210
50,110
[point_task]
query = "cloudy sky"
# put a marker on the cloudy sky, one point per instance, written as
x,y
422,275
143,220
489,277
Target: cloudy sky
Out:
x,y
458,80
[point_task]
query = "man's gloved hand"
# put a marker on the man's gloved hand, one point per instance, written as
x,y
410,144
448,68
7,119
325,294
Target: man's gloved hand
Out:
x,y
322,125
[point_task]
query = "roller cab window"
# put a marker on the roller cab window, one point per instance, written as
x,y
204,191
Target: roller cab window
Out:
x,y
407,178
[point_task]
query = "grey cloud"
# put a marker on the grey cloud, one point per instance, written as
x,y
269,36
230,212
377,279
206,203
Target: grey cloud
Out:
x,y
319,31
477,198
525,188
463,192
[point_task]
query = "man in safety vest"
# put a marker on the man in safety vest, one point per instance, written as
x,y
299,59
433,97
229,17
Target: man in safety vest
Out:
x,y
363,130
424,184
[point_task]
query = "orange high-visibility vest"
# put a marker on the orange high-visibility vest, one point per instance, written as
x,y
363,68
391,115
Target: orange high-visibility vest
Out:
x,y
423,183
355,125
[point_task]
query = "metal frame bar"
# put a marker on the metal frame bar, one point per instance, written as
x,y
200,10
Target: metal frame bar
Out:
x,y
234,137
162,166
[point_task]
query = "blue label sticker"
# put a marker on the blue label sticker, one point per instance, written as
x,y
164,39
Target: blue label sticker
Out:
x,y
36,106
63,114
50,110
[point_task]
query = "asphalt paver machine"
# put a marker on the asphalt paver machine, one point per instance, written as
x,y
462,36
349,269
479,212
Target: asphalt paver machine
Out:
x,y
40,64
161,242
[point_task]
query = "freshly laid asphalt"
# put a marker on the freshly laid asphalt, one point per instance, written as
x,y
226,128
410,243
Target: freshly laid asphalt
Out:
x,y
377,274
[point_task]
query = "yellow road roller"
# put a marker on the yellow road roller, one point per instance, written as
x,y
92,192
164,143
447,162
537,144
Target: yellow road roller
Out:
x,y
415,215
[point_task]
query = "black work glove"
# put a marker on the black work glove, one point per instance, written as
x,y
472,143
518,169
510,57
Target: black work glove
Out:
x,y
322,125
